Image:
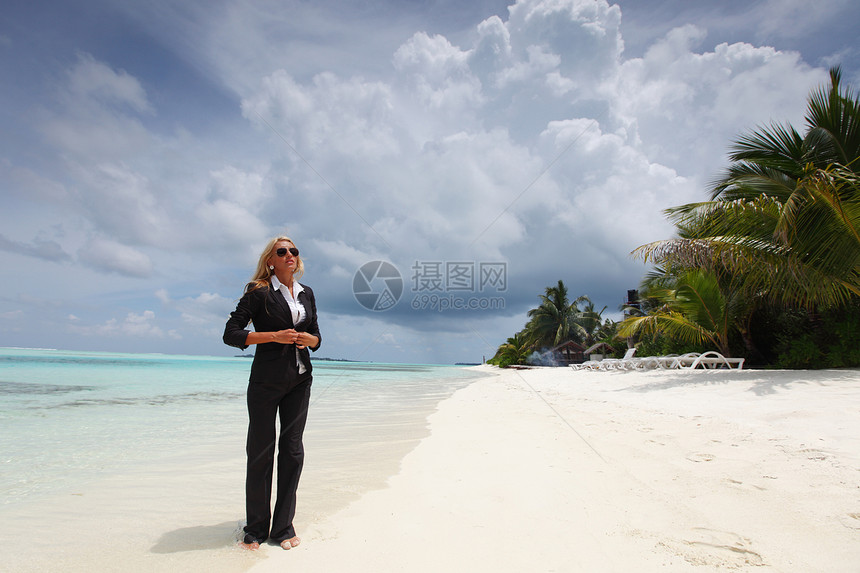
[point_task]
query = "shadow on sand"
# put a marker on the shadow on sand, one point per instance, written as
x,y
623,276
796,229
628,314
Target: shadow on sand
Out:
x,y
761,382
198,538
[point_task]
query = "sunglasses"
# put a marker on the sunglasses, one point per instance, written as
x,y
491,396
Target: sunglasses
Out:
x,y
282,251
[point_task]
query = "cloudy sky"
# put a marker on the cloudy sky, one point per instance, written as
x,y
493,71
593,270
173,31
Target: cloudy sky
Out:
x,y
484,149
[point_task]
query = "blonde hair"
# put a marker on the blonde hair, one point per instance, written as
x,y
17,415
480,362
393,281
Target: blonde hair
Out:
x,y
263,273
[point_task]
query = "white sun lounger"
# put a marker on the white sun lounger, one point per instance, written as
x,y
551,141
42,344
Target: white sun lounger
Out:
x,y
713,359
618,363
608,363
690,361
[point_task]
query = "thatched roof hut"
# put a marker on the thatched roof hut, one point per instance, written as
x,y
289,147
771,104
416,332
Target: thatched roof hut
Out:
x,y
600,348
567,353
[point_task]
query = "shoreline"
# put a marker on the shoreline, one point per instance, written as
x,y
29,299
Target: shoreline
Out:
x,y
545,469
180,507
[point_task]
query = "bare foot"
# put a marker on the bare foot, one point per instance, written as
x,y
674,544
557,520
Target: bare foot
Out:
x,y
249,546
290,543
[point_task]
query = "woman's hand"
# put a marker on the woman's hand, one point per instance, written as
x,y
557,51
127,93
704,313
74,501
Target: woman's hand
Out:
x,y
304,339
292,336
287,336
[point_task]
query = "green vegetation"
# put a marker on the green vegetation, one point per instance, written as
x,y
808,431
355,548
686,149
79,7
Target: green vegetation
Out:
x,y
778,244
554,321
515,350
768,268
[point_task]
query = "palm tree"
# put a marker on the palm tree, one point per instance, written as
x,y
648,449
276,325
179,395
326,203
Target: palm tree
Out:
x,y
514,351
785,217
588,319
694,309
552,322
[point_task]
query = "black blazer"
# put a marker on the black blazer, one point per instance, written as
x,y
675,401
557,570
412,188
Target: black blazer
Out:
x,y
274,363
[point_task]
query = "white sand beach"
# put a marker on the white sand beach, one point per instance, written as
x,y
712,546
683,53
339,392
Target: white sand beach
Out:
x,y
523,471
555,470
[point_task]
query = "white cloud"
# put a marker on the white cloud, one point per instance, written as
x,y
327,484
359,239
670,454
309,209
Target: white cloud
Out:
x,y
91,79
232,220
206,310
98,114
340,253
536,137
239,187
793,18
685,107
26,184
162,295
123,180
438,75
39,248
134,326
338,117
585,32
387,339
122,203
528,139
105,254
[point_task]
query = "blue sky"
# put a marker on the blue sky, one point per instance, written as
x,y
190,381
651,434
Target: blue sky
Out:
x,y
150,149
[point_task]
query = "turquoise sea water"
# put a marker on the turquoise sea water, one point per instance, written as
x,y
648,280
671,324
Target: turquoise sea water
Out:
x,y
67,418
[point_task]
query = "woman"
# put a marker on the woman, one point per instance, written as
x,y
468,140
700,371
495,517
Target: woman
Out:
x,y
284,314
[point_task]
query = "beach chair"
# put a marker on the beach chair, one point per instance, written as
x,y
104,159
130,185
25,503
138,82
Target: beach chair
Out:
x,y
606,363
673,361
625,363
587,365
657,362
713,359
649,363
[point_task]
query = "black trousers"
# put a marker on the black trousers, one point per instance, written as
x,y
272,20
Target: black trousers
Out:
x,y
265,402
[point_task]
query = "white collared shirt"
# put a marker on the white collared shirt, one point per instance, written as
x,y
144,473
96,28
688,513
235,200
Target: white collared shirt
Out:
x,y
297,309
